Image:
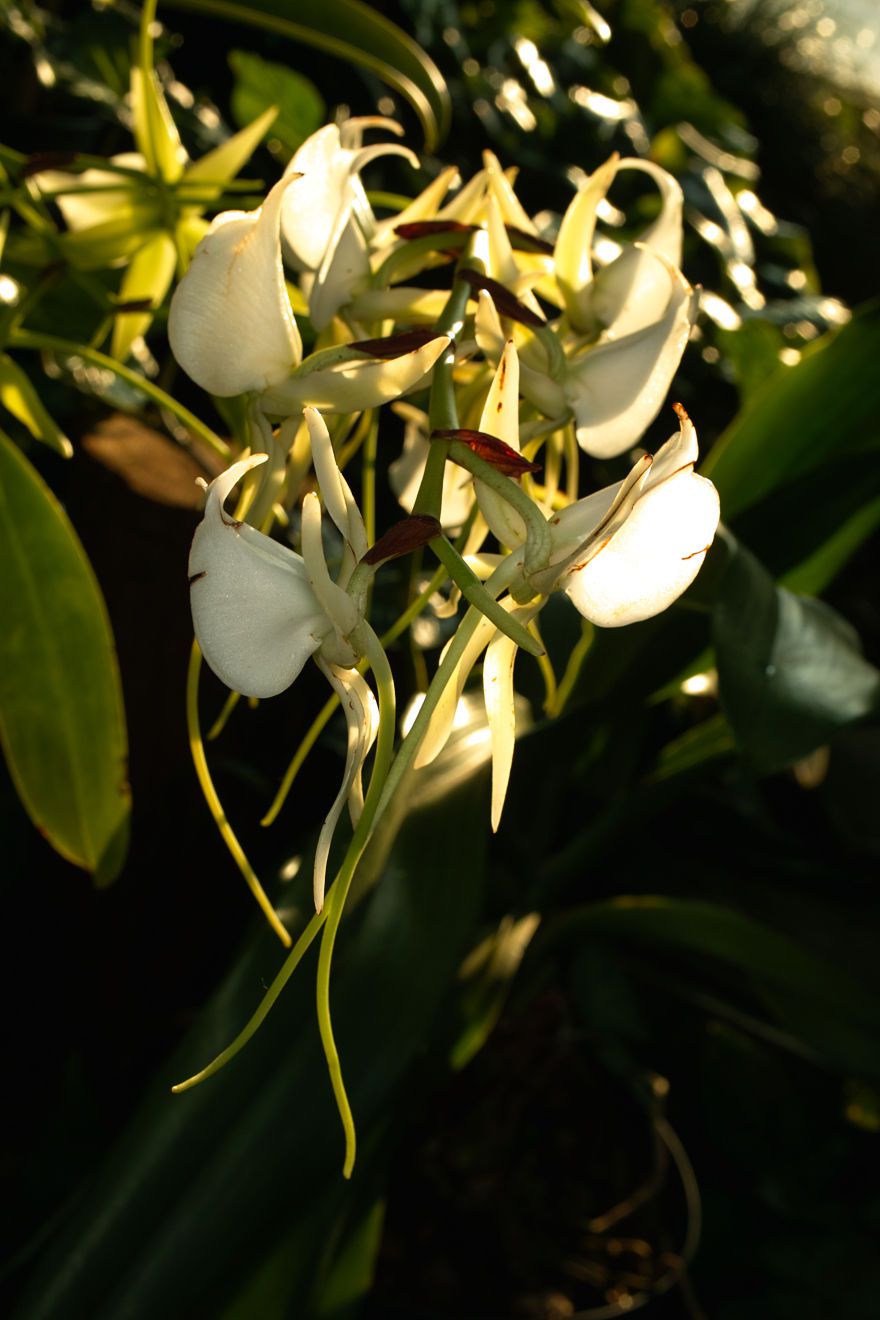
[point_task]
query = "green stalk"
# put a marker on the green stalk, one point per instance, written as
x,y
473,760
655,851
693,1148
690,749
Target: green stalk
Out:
x,y
538,541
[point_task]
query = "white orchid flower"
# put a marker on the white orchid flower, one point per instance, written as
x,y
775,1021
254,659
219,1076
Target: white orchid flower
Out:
x,y
349,378
327,227
231,327
616,387
632,549
260,610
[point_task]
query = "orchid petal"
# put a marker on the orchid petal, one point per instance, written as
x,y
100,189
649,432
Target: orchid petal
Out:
x,y
230,325
335,602
344,270
310,213
665,236
149,275
423,207
500,185
501,714
631,292
468,203
615,389
355,384
442,718
222,163
256,618
536,386
335,490
500,417
574,245
653,557
362,719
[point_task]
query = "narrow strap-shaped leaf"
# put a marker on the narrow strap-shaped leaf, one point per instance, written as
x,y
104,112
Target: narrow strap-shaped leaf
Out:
x,y
62,723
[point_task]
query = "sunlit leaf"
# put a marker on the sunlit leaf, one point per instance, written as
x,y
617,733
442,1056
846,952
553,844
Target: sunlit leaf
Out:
x,y
18,394
61,717
260,84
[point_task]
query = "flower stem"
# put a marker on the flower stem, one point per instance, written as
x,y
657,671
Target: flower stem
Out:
x,y
538,542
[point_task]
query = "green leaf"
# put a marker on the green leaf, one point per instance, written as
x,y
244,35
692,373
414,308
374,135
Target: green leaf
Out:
x,y
149,275
18,395
356,34
224,162
260,83
790,669
809,985
62,724
825,408
208,1183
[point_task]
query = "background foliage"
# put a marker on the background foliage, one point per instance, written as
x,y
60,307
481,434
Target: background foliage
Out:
x,y
646,1013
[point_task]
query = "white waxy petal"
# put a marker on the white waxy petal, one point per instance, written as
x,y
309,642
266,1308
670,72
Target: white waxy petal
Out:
x,y
665,236
344,271
500,417
335,490
501,714
424,207
353,385
443,716
256,618
652,558
680,451
362,719
615,390
335,602
573,253
230,325
536,386
632,292
310,212
502,189
468,204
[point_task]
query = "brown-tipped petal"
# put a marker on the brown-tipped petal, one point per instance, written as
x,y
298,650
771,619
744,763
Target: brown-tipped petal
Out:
x,y
405,536
394,346
426,228
491,450
507,304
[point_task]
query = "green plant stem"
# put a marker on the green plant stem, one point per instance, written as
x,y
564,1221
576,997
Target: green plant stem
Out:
x,y
366,640
476,594
538,540
51,344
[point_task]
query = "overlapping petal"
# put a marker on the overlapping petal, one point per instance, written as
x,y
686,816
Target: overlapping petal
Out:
x,y
231,327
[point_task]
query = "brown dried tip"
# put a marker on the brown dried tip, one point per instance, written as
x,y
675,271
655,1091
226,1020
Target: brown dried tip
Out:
x,y
506,302
395,346
491,450
46,160
135,305
426,228
523,241
404,537
680,412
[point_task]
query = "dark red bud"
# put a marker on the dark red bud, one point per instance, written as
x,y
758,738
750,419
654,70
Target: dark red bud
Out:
x,y
395,346
46,160
491,450
404,537
506,302
523,241
426,228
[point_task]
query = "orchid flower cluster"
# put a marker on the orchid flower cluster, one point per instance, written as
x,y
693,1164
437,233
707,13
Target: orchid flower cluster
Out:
x,y
537,347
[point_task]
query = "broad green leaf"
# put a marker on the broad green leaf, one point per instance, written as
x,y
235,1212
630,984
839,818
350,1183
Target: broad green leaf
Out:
x,y
824,409
62,724
18,395
224,162
209,1182
790,669
260,83
149,275
356,34
806,983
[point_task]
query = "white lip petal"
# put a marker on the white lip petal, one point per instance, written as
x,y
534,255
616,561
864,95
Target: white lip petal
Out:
x,y
680,451
615,390
256,618
230,325
344,271
653,557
